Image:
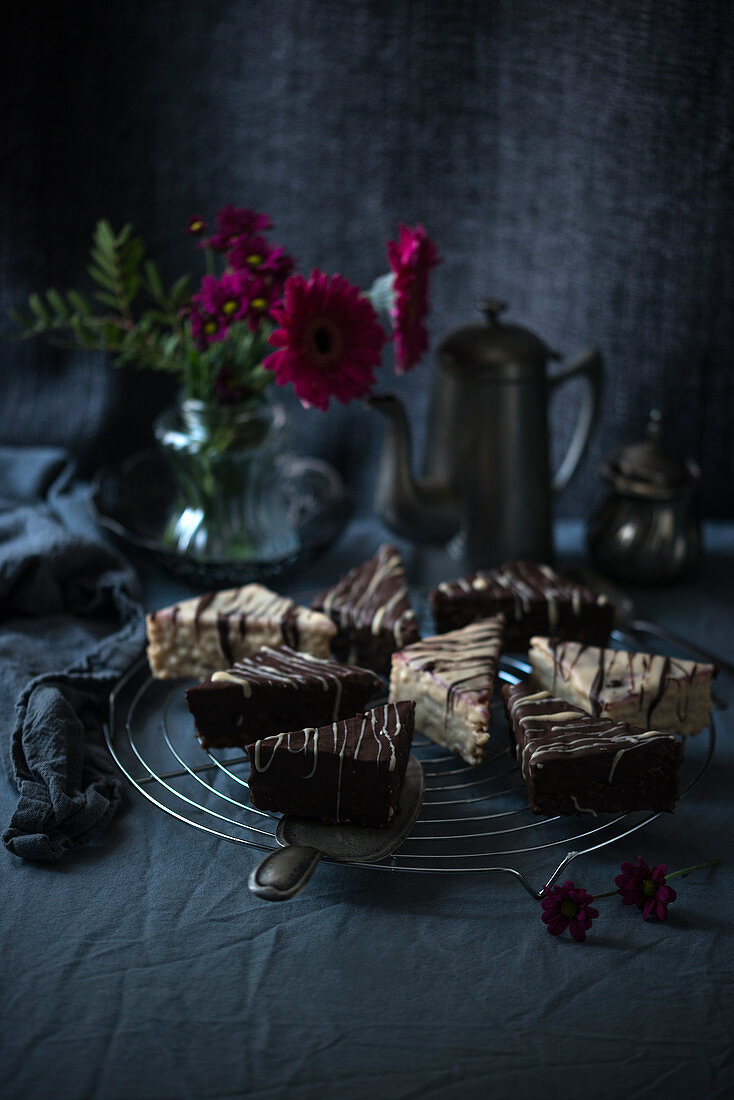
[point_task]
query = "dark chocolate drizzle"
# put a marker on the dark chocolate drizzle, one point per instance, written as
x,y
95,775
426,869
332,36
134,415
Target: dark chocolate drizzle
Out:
x,y
661,689
289,627
659,684
465,659
597,686
223,631
201,606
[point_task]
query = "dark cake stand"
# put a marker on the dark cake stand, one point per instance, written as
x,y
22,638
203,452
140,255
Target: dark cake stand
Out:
x,y
475,820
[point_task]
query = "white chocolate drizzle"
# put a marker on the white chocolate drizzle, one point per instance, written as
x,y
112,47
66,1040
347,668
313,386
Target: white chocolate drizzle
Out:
x,y
373,596
569,731
285,668
527,584
343,741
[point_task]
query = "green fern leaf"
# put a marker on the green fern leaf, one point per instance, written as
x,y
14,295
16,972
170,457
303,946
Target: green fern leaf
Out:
x,y
79,302
153,282
106,260
17,318
104,236
35,303
58,305
179,292
107,299
101,278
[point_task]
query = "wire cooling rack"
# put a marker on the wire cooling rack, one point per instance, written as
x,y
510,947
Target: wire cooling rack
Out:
x,y
475,820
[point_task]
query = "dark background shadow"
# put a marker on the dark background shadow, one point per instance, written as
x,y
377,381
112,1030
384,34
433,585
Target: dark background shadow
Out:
x,y
574,159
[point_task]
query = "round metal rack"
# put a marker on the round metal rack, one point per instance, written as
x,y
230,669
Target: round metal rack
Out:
x,y
475,820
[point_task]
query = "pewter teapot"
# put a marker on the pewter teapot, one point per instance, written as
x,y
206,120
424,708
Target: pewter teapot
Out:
x,y
487,484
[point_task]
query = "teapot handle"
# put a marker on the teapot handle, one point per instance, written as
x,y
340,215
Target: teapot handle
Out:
x,y
589,364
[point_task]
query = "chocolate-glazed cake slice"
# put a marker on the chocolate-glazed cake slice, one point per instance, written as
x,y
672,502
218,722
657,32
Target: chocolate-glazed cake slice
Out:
x,y
371,611
534,600
275,690
643,688
574,763
209,632
451,678
350,771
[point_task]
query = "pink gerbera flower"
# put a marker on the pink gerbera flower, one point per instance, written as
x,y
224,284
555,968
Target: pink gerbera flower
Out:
x,y
234,222
330,340
645,888
411,258
568,906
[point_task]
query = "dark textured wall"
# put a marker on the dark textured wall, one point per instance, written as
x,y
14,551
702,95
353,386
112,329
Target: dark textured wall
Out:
x,y
573,158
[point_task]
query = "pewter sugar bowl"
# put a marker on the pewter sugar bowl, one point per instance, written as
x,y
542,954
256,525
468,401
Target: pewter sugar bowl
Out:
x,y
647,530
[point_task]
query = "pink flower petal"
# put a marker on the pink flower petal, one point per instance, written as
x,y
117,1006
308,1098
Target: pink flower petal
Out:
x,y
411,259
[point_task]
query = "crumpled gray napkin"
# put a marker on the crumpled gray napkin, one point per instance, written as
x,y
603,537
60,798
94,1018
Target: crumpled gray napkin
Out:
x,y
70,626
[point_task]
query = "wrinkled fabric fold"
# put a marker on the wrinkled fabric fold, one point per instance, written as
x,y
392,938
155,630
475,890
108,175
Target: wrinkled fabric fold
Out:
x,y
70,626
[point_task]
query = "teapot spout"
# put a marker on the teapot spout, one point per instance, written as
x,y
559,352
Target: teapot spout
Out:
x,y
419,510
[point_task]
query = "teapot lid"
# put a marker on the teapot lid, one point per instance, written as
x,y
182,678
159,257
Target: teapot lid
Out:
x,y
644,470
495,346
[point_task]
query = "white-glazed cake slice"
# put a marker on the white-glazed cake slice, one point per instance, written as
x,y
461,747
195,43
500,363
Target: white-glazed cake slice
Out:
x,y
451,677
213,631
644,689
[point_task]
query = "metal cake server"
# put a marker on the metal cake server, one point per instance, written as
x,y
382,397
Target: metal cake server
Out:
x,y
283,873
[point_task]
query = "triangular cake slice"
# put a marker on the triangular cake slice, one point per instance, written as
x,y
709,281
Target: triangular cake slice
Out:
x,y
451,677
574,763
345,772
276,689
646,689
371,611
534,598
210,632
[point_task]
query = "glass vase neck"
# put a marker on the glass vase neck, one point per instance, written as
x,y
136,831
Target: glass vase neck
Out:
x,y
251,420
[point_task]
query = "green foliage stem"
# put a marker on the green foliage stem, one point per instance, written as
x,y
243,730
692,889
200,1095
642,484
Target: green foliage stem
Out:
x,y
134,317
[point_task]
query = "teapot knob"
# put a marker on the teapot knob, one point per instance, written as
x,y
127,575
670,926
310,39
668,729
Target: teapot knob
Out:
x,y
491,308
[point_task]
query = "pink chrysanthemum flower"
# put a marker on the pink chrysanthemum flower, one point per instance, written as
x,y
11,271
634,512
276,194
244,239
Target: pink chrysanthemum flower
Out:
x,y
254,254
568,906
645,888
411,258
204,328
330,340
224,297
234,222
261,296
196,225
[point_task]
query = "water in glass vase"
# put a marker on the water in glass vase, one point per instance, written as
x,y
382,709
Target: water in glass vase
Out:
x,y
225,460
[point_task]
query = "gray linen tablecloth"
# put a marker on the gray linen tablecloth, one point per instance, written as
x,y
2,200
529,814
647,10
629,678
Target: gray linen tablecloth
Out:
x,y
142,967
71,626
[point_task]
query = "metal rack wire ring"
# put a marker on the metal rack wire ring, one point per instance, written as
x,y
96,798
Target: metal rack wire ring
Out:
x,y
475,819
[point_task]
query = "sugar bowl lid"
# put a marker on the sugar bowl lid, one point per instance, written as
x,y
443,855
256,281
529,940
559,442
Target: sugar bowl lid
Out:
x,y
644,470
495,346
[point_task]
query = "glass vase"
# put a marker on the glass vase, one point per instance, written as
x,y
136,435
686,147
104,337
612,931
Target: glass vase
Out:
x,y
225,461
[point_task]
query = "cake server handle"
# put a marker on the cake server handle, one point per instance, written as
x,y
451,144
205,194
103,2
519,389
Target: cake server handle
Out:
x,y
284,873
